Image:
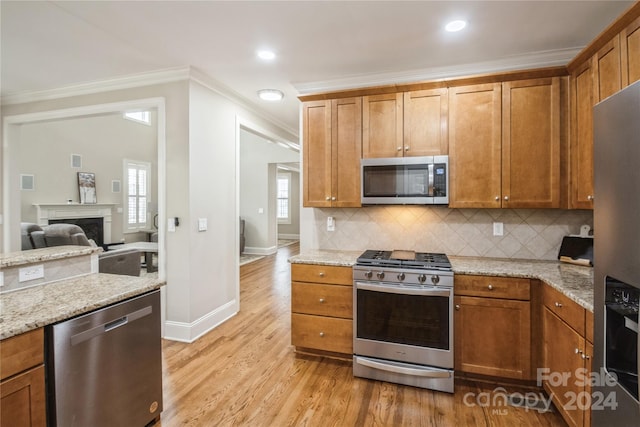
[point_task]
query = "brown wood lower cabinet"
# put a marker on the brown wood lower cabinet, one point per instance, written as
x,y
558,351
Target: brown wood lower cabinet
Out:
x,y
492,326
566,356
322,308
22,390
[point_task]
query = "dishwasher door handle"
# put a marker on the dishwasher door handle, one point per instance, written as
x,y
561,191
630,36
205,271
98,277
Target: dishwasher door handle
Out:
x,y
109,326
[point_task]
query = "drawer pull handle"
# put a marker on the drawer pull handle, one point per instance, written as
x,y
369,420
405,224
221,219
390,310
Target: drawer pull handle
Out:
x,y
490,287
321,300
557,304
321,274
322,334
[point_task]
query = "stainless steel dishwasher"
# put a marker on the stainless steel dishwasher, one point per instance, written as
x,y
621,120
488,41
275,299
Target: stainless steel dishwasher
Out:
x,y
104,368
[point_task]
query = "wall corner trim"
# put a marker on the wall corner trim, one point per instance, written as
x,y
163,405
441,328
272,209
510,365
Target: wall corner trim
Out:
x,y
190,332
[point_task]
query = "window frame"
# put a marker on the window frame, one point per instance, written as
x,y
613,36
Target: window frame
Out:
x,y
287,176
138,226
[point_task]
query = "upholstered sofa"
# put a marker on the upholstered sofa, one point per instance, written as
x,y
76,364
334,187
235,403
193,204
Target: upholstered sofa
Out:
x,y
119,261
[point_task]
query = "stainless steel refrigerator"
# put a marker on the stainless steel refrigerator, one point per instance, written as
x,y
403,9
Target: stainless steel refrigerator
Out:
x,y
616,259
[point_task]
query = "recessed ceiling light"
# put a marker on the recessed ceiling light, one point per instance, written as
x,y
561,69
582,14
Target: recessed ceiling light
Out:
x,y
270,94
454,26
267,55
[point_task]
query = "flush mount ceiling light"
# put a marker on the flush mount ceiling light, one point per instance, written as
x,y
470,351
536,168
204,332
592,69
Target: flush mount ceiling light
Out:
x,y
267,55
454,26
270,94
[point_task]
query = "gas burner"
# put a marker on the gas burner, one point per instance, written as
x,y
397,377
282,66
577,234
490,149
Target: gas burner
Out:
x,y
406,259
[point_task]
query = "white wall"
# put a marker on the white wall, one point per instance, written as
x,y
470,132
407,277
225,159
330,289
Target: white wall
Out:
x,y
258,160
201,268
45,148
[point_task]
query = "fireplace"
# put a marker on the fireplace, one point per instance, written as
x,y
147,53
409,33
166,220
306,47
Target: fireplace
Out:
x,y
92,227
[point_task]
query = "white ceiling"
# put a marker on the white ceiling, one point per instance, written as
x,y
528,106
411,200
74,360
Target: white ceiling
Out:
x,y
321,45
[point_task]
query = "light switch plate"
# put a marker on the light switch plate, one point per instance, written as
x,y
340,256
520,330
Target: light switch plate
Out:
x,y
202,224
498,229
171,225
31,272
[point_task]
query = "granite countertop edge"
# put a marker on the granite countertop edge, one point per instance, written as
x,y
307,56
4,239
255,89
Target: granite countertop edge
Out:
x,y
12,259
576,282
32,308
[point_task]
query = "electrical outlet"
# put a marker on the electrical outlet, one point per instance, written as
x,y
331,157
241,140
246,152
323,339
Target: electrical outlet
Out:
x,y
31,272
202,224
498,229
1,279
331,224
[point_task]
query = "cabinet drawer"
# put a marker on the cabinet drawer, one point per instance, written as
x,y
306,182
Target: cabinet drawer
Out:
x,y
321,274
565,308
493,287
323,300
322,333
21,352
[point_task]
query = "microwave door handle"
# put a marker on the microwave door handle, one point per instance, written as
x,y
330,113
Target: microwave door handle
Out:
x,y
631,324
430,178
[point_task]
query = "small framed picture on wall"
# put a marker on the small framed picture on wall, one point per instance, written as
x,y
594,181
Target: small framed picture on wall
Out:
x,y
87,187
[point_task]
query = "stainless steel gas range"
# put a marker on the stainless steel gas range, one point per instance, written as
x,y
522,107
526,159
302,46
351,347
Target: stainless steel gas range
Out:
x,y
403,318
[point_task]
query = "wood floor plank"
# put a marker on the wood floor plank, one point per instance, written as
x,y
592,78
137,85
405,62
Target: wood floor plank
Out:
x,y
246,373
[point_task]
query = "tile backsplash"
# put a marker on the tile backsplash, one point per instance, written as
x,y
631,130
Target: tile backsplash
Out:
x,y
527,234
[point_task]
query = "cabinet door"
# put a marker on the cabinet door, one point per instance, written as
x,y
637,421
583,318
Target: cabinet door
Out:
x,y
22,399
493,337
425,122
346,130
316,152
475,146
607,69
581,143
531,143
382,126
561,358
630,53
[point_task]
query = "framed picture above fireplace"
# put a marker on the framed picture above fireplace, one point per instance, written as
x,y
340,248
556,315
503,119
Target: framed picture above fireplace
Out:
x,y
87,187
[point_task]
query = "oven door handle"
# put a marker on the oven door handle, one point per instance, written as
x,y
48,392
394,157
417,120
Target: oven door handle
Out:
x,y
431,292
425,372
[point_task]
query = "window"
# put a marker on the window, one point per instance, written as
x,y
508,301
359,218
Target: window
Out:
x,y
284,191
137,176
139,116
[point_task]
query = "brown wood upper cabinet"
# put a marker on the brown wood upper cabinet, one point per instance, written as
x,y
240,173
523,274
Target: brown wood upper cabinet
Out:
x,y
630,53
405,124
332,148
504,144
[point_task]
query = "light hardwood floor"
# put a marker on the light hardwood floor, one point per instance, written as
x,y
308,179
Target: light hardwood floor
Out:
x,y
246,373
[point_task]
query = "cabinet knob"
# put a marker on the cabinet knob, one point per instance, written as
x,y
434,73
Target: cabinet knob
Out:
x,y
321,274
399,149
497,198
406,148
585,357
490,287
557,304
578,351
506,198
457,306
322,334
590,198
321,300
328,198
333,198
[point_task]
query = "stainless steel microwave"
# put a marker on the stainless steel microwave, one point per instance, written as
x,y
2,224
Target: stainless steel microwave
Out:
x,y
405,181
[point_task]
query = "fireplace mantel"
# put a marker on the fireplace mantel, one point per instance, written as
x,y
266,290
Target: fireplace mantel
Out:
x,y
47,211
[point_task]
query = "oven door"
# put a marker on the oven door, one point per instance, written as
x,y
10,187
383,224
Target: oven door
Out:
x,y
405,324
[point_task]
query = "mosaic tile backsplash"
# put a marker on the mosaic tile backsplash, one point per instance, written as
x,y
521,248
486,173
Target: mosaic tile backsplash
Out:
x,y
527,234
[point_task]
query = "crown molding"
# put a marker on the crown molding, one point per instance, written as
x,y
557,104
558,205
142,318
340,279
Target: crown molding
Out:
x,y
543,59
117,83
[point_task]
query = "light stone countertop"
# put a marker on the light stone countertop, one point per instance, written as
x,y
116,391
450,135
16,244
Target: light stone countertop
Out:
x,y
576,282
12,259
32,308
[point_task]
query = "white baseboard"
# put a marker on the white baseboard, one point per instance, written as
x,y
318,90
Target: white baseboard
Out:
x,y
289,236
189,332
260,251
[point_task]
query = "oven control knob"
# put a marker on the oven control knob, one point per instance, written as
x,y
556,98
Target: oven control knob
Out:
x,y
368,274
422,278
380,275
400,276
435,279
